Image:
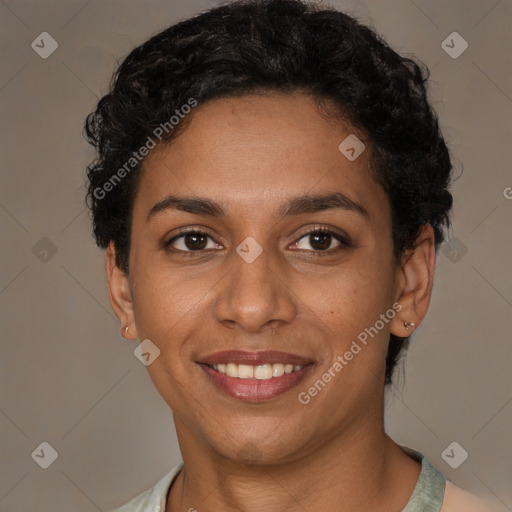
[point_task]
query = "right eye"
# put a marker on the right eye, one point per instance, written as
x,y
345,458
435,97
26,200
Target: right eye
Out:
x,y
191,240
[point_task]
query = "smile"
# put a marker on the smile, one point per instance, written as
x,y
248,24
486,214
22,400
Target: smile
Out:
x,y
254,376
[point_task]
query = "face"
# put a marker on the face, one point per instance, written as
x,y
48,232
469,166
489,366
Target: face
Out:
x,y
249,275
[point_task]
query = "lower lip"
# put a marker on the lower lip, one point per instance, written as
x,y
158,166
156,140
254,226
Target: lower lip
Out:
x,y
255,390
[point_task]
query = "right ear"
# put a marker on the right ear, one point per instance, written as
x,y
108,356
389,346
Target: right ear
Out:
x,y
119,294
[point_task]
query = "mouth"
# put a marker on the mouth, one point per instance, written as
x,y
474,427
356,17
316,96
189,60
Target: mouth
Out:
x,y
255,376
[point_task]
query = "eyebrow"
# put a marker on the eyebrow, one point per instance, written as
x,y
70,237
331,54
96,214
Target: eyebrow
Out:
x,y
294,206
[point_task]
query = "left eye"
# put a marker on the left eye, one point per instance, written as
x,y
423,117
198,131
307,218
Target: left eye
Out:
x,y
321,240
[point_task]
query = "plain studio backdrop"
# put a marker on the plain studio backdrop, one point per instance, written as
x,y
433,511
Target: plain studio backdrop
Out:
x,y
68,378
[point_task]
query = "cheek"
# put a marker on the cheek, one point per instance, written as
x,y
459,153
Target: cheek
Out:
x,y
346,309
358,336
165,300
352,299
168,309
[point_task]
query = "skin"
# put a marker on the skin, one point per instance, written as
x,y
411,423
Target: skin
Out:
x,y
250,154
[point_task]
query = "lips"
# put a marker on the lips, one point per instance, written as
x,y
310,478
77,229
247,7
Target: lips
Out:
x,y
262,387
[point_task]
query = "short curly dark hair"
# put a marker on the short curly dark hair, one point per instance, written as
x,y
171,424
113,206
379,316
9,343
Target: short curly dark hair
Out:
x,y
257,46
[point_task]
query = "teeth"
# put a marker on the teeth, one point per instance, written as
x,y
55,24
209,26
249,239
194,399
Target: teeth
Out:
x,y
260,372
232,370
246,372
277,370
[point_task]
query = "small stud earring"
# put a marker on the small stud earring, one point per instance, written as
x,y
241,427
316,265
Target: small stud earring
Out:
x,y
407,325
126,329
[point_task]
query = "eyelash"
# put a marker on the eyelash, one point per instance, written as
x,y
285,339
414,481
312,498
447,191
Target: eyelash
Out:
x,y
343,240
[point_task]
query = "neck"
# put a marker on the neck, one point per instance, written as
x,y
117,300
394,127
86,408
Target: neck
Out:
x,y
357,471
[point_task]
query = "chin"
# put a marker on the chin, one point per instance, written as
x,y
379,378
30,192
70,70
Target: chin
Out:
x,y
260,449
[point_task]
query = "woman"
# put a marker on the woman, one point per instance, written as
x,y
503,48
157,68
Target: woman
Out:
x,y
271,189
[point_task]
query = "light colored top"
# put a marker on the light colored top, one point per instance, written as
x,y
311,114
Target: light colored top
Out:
x,y
432,493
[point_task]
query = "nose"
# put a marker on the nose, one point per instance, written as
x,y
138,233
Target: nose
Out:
x,y
254,296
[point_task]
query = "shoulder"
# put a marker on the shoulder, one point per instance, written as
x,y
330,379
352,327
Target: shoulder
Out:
x,y
435,493
457,499
152,499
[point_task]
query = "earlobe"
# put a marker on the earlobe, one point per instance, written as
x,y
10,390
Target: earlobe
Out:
x,y
119,294
415,284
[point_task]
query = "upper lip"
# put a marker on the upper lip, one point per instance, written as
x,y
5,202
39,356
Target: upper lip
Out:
x,y
252,357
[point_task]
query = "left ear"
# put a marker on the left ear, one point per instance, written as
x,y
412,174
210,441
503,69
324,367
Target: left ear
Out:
x,y
415,281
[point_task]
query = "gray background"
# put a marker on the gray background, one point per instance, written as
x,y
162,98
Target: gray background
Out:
x,y
67,376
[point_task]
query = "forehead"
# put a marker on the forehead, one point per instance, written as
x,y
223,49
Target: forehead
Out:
x,y
241,150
